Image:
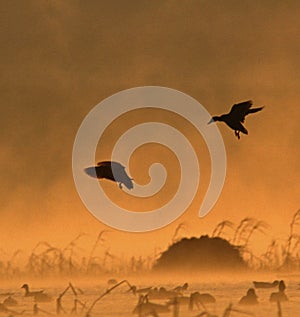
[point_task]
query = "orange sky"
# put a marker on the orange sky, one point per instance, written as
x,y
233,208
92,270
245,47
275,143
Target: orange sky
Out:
x,y
60,59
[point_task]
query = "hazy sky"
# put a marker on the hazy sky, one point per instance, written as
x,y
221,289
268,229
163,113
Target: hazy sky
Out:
x,y
61,58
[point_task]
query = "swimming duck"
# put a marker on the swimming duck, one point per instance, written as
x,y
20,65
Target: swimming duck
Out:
x,y
144,307
29,293
250,298
265,284
9,301
200,299
162,293
236,117
136,290
205,298
279,296
181,288
39,296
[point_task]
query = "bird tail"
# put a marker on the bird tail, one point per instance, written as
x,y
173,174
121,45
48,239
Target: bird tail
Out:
x,y
255,109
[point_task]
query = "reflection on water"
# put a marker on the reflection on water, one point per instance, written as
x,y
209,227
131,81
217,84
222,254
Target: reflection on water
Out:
x,y
120,302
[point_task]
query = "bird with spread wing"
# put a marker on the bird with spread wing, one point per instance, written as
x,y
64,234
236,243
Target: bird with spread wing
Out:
x,y
110,170
236,117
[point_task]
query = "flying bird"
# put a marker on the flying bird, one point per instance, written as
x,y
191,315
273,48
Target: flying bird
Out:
x,y
110,170
236,117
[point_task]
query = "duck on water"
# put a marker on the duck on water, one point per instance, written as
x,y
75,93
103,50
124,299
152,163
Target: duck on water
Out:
x,y
39,296
265,284
145,307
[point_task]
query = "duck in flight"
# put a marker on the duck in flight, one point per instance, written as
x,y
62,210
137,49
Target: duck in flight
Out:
x,y
110,170
236,117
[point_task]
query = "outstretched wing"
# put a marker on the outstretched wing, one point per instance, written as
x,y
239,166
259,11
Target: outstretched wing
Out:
x,y
240,110
120,175
100,172
110,170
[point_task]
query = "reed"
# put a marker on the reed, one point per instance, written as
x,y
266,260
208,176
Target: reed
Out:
x,y
108,291
229,309
46,259
218,230
293,241
279,310
177,233
243,225
97,242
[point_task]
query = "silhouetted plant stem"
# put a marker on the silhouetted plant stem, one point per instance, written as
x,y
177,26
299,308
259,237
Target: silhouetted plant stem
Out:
x,y
105,293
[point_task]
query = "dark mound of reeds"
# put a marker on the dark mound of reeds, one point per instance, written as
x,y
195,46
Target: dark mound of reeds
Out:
x,y
203,253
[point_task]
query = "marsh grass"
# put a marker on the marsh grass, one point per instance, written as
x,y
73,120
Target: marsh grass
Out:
x,y
47,260
280,255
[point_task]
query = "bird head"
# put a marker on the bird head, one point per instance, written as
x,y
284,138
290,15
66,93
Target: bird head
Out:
x,y
26,287
213,119
251,292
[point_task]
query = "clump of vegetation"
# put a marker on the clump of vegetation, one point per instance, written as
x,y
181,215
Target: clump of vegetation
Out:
x,y
281,254
229,246
47,260
203,253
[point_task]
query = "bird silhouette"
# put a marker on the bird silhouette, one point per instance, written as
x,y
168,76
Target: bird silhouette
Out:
x,y
39,296
145,307
250,298
265,284
28,293
279,296
236,117
10,301
110,170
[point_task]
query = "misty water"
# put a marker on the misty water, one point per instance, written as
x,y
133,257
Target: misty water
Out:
x,y
121,303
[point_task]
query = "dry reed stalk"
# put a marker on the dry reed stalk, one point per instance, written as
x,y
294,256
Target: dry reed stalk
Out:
x,y
176,237
279,310
295,221
229,309
104,294
98,240
217,232
240,228
258,226
176,306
